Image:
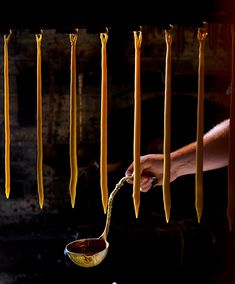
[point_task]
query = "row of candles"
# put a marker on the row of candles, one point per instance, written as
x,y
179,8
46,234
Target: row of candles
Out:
x,y
201,37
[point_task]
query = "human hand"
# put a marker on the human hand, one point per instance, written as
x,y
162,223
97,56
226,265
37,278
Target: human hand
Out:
x,y
151,171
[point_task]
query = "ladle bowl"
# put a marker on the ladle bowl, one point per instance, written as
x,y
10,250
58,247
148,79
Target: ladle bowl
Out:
x,y
91,251
87,252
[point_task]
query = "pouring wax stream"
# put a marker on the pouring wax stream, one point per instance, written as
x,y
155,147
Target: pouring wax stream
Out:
x,y
91,251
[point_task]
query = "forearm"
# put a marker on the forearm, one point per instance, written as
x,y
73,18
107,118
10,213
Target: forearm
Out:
x,y
183,160
215,152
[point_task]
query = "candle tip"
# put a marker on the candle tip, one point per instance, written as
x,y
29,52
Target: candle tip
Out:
x,y
7,191
167,217
72,197
199,215
105,208
136,209
41,199
72,202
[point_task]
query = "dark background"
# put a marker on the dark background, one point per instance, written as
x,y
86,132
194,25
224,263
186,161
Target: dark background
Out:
x,y
143,250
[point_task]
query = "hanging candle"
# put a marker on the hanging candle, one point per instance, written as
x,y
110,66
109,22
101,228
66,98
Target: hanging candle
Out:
x,y
7,116
73,121
39,123
137,123
167,127
201,36
103,123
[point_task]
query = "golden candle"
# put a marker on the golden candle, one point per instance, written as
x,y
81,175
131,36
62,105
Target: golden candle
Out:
x,y
167,128
231,161
7,117
137,123
39,124
103,124
73,122
201,36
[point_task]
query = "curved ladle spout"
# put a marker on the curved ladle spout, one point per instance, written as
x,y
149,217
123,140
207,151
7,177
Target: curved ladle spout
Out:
x,y
90,252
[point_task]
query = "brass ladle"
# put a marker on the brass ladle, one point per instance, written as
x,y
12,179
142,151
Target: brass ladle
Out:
x,y
90,252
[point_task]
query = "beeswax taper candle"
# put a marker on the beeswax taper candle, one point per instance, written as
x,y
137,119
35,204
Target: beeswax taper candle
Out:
x,y
137,123
39,124
7,117
73,121
201,36
103,123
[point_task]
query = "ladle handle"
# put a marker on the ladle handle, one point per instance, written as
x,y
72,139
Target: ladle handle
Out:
x,y
110,205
